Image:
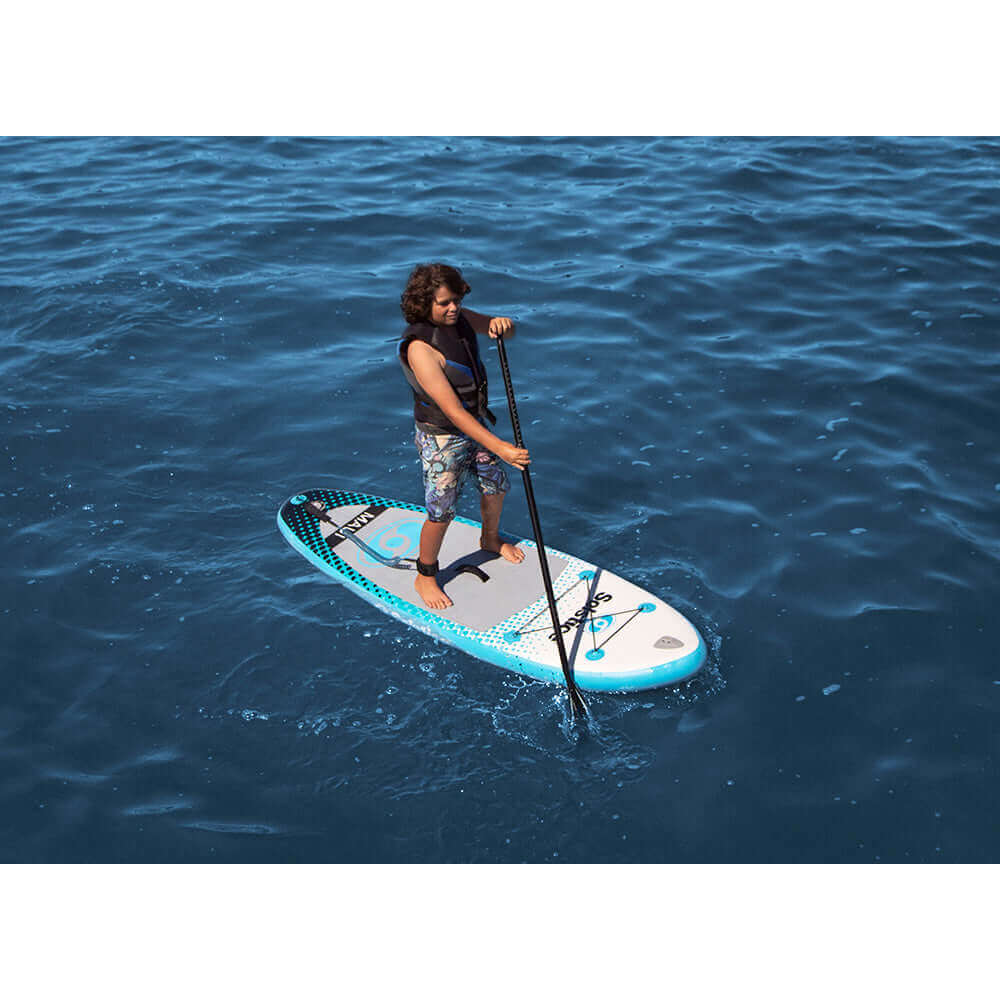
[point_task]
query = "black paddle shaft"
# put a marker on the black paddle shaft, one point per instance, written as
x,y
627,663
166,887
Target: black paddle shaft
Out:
x,y
577,704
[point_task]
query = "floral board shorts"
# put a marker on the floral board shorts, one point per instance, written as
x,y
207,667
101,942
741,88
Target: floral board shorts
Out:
x,y
447,460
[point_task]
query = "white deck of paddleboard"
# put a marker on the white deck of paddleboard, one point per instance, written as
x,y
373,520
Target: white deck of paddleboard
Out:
x,y
617,635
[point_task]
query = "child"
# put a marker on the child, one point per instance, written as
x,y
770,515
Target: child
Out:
x,y
440,359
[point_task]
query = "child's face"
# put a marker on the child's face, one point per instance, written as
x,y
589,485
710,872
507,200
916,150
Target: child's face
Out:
x,y
445,307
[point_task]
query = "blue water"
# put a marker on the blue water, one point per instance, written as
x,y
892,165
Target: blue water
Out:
x,y
759,377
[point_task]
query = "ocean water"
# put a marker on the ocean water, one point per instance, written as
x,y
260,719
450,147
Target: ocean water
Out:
x,y
757,376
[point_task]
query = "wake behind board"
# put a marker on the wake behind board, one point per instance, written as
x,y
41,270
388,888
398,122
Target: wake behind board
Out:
x,y
617,636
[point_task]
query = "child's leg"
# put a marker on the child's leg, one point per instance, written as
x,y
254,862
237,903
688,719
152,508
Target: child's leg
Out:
x,y
443,457
491,506
431,536
491,479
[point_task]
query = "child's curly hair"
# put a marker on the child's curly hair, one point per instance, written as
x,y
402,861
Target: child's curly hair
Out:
x,y
424,281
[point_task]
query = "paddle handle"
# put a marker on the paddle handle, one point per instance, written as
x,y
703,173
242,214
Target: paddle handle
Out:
x,y
577,704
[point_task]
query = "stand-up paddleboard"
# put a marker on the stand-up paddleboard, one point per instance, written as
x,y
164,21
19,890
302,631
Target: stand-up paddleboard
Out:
x,y
618,637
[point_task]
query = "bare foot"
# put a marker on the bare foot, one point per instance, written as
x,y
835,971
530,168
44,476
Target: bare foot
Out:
x,y
510,552
433,596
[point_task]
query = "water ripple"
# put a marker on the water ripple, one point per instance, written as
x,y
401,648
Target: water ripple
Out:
x,y
755,375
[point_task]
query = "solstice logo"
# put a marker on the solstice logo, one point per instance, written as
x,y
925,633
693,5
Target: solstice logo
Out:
x,y
400,540
598,624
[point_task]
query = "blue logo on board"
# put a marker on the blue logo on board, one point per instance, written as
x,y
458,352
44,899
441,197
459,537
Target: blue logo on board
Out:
x,y
400,540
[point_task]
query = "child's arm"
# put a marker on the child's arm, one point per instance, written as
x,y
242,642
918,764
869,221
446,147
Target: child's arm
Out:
x,y
494,326
426,365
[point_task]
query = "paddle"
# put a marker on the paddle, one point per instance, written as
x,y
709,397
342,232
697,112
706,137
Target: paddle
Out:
x,y
577,704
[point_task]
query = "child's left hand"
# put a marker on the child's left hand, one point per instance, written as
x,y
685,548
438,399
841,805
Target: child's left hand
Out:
x,y
500,326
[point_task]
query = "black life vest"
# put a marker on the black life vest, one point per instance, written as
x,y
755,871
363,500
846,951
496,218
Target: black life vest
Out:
x,y
463,368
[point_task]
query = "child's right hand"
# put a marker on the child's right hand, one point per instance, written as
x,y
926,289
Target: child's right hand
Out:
x,y
512,455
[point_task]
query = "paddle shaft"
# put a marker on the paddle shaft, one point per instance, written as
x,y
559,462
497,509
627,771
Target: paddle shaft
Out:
x,y
577,704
